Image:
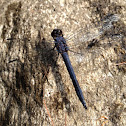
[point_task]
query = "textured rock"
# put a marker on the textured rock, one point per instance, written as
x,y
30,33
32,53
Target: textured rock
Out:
x,y
34,81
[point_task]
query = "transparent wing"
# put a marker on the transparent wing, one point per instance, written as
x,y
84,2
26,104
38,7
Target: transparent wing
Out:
x,y
81,42
90,32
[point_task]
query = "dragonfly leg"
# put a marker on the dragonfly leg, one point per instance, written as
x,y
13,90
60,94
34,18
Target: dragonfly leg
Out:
x,y
53,47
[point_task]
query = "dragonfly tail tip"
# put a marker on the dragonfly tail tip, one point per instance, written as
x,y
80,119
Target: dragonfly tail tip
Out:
x,y
85,107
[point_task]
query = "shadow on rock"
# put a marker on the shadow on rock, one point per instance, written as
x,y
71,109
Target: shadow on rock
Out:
x,y
48,57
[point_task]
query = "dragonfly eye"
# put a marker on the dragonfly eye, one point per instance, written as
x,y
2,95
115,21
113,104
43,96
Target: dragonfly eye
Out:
x,y
56,33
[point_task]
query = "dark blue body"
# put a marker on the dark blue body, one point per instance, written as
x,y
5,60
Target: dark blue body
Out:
x,y
60,44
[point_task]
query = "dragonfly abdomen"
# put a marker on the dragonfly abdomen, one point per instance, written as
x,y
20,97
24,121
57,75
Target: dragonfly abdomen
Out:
x,y
73,77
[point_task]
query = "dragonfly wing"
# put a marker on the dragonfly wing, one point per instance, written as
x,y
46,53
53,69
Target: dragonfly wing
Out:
x,y
90,32
81,43
90,35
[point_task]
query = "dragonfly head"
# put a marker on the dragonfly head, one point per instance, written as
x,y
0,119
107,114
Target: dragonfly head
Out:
x,y
56,33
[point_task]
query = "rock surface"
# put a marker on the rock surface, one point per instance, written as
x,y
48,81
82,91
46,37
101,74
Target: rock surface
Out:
x,y
35,87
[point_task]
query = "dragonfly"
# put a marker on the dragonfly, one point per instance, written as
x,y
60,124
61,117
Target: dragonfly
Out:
x,y
82,36
62,48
